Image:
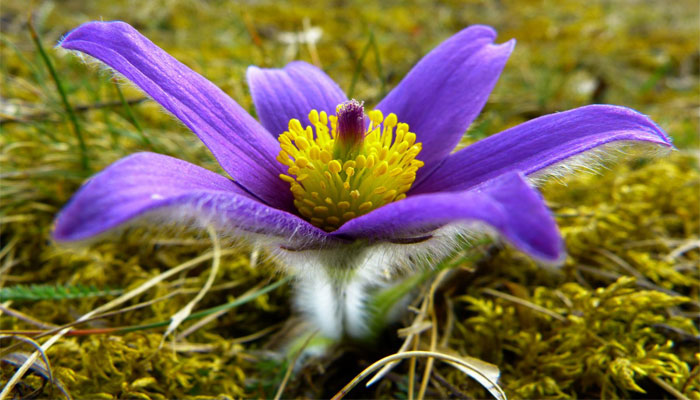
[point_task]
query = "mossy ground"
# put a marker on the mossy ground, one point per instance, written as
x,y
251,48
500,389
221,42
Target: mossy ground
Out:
x,y
621,315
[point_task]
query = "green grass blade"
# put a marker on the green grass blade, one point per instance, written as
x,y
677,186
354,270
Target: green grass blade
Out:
x,y
358,66
130,115
85,163
380,71
233,304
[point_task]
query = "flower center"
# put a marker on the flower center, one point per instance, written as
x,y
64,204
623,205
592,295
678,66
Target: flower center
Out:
x,y
343,172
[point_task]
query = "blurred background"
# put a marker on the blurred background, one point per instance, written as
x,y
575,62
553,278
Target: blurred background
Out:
x,y
638,218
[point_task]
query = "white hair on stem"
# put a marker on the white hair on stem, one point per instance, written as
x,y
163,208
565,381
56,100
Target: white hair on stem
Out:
x,y
595,160
334,285
116,77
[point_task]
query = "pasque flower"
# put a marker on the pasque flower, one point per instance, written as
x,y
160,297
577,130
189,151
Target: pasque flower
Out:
x,y
340,195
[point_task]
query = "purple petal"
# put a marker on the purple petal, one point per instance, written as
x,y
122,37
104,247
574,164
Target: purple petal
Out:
x,y
174,190
291,92
240,144
447,89
507,204
541,143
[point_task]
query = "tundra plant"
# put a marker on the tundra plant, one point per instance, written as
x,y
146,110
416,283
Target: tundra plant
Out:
x,y
341,196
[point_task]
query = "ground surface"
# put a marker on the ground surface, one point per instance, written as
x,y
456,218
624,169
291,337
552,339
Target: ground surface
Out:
x,y
615,321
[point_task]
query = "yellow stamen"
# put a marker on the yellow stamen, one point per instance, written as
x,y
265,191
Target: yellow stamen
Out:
x,y
328,192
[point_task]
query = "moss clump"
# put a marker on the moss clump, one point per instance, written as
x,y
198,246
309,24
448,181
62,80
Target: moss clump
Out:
x,y
606,343
134,366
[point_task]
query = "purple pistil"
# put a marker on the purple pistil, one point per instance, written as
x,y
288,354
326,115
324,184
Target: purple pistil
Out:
x,y
351,125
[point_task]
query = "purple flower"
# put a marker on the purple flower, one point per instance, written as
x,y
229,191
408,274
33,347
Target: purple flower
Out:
x,y
485,184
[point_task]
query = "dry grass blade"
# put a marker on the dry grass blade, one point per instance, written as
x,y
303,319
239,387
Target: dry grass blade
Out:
x,y
19,358
211,317
433,333
257,335
37,346
47,116
429,363
465,366
490,371
290,367
411,372
455,392
199,324
53,329
9,246
311,44
525,303
26,318
449,324
181,315
670,389
613,276
114,303
415,329
622,264
684,248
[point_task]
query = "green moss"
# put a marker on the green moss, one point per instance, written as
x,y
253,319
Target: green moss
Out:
x,y
133,366
609,340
